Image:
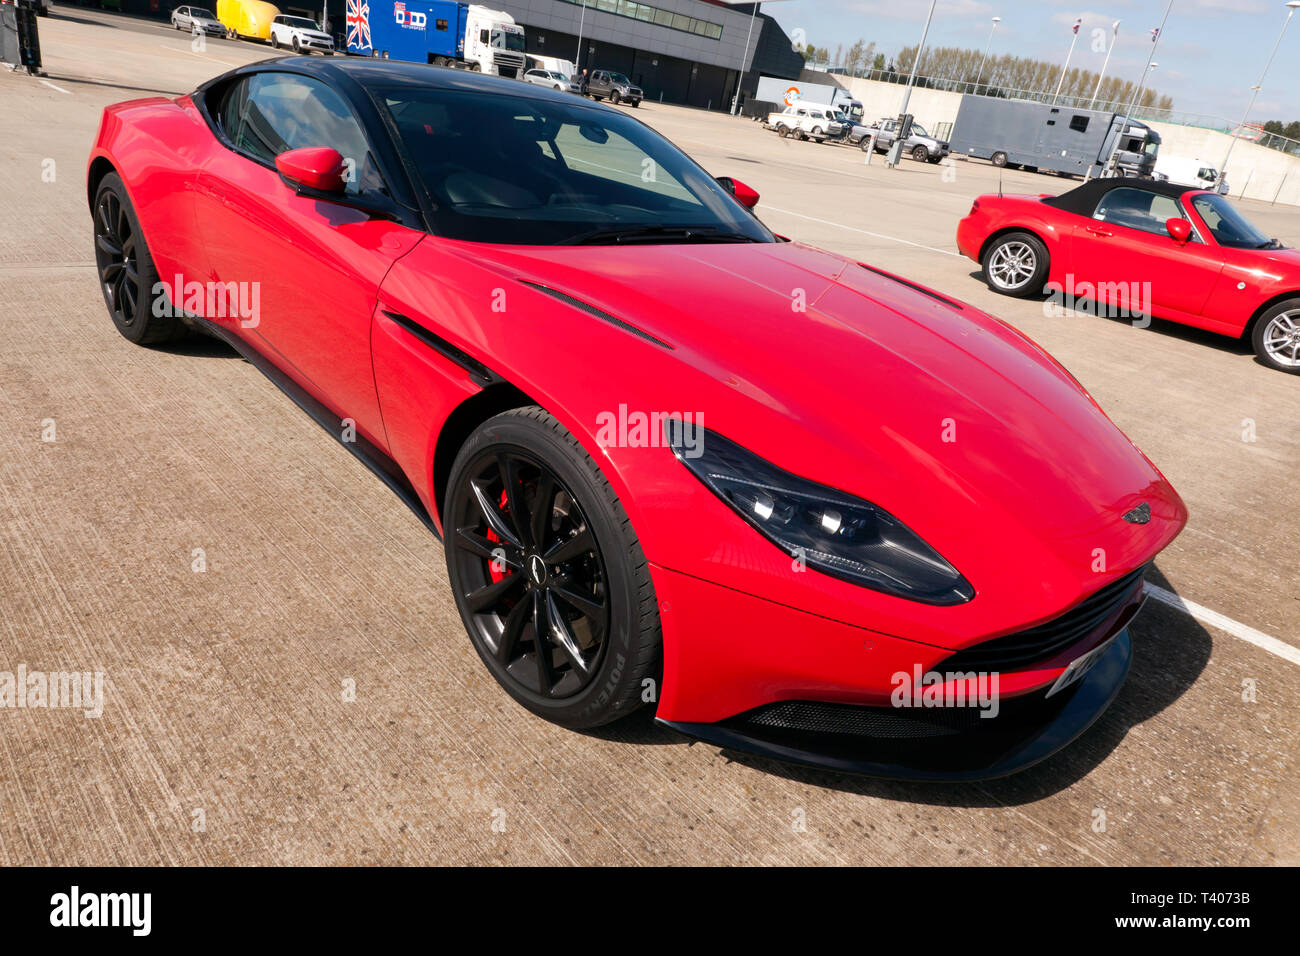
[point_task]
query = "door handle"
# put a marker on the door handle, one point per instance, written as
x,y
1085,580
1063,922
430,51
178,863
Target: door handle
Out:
x,y
1100,232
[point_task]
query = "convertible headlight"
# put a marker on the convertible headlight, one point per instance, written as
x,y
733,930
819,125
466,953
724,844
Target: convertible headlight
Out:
x,y
833,532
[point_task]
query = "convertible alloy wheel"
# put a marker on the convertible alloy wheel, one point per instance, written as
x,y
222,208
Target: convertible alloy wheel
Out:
x,y
549,580
1016,264
1277,337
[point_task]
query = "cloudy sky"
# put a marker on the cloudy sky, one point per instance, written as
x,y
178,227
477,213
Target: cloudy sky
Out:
x,y
1209,56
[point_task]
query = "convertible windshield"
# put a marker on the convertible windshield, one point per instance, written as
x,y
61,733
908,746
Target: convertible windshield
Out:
x,y
1230,228
537,172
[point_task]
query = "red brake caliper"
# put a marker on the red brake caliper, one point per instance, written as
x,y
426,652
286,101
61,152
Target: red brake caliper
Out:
x,y
495,570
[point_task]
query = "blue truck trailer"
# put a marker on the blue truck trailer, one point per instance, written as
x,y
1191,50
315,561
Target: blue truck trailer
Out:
x,y
440,32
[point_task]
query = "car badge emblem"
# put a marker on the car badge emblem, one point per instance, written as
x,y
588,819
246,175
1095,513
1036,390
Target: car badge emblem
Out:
x,y
1139,515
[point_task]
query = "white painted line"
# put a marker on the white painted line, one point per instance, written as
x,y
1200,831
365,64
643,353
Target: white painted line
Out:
x,y
865,232
1217,620
59,88
172,49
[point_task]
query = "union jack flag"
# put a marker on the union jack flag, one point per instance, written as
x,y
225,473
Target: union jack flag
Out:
x,y
1155,34
1078,23
358,18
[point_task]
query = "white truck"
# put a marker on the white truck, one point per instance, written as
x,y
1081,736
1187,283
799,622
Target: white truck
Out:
x,y
810,121
1189,172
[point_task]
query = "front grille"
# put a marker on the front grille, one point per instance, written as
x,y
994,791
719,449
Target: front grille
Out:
x,y
1019,650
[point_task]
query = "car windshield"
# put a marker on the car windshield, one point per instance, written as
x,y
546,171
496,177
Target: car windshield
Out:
x,y
301,23
619,78
534,172
200,14
919,130
508,41
1230,228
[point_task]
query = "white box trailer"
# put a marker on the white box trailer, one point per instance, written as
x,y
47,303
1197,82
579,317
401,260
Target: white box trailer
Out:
x,y
1051,138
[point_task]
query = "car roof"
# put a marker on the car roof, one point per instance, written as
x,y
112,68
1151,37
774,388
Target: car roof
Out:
x,y
373,71
1082,200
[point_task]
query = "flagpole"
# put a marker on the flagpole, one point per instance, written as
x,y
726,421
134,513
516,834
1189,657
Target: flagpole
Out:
x,y
1114,38
1077,24
1156,34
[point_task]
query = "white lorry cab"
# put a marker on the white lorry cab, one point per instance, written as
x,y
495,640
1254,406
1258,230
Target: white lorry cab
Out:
x,y
494,43
1182,171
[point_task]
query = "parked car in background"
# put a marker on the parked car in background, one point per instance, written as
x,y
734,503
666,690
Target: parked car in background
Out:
x,y
1189,172
552,78
198,20
300,33
920,145
617,88
804,121
1144,248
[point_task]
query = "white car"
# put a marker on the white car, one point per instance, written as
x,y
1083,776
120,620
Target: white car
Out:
x,y
198,20
806,122
551,78
301,34
1189,172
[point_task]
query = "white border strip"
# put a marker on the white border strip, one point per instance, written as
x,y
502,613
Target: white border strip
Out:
x,y
1217,620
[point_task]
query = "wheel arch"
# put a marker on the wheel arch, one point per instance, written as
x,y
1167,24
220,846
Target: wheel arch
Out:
x,y
1248,329
100,167
461,423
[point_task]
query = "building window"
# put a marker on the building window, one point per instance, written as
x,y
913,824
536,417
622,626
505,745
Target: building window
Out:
x,y
1079,124
648,13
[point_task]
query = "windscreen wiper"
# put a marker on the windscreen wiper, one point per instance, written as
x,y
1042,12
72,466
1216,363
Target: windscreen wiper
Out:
x,y
630,234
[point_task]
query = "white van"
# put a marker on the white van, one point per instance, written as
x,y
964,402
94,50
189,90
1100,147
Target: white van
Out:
x,y
1188,172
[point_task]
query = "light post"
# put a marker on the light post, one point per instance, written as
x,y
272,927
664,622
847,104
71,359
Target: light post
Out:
x,y
1073,40
735,100
988,46
577,62
1114,37
896,150
1232,141
1156,34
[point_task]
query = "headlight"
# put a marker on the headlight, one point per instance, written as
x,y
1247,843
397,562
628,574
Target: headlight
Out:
x,y
833,532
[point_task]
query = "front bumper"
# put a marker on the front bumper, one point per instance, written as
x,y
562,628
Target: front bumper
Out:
x,y
324,45
954,747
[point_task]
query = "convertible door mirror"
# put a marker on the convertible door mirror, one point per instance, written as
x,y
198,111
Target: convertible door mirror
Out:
x,y
315,168
1180,229
746,196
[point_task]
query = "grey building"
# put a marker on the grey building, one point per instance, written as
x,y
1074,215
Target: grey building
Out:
x,y
680,51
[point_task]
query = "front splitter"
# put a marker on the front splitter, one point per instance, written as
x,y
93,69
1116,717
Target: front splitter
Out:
x,y
1034,728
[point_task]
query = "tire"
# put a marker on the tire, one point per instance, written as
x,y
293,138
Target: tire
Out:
x,y
635,104
275,42
120,250
783,132
920,154
1276,337
295,46
615,97
1016,264
864,144
616,638
816,132
999,159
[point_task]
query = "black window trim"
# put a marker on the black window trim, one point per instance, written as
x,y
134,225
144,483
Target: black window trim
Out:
x,y
405,208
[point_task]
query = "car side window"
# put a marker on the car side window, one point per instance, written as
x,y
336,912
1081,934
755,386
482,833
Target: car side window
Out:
x,y
269,113
1137,209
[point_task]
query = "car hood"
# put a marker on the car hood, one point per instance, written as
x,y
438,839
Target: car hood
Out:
x,y
939,413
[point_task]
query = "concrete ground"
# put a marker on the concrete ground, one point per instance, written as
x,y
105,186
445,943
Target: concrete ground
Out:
x,y
226,736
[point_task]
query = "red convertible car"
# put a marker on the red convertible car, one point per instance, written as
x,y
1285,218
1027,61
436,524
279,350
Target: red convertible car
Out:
x,y
806,507
1145,248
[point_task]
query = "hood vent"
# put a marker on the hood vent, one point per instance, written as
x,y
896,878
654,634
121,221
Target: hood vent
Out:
x,y
598,313
915,287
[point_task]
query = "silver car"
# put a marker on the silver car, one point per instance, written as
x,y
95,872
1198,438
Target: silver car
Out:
x,y
556,81
198,20
920,145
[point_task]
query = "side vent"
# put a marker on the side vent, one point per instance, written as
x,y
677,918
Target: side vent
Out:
x,y
598,313
917,288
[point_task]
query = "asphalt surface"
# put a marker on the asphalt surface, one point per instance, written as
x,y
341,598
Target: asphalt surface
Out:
x,y
227,735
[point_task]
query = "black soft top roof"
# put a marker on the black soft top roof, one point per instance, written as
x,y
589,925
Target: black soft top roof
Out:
x,y
1082,200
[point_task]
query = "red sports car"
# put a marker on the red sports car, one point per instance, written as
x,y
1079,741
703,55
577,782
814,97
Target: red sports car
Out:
x,y
805,507
1144,248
